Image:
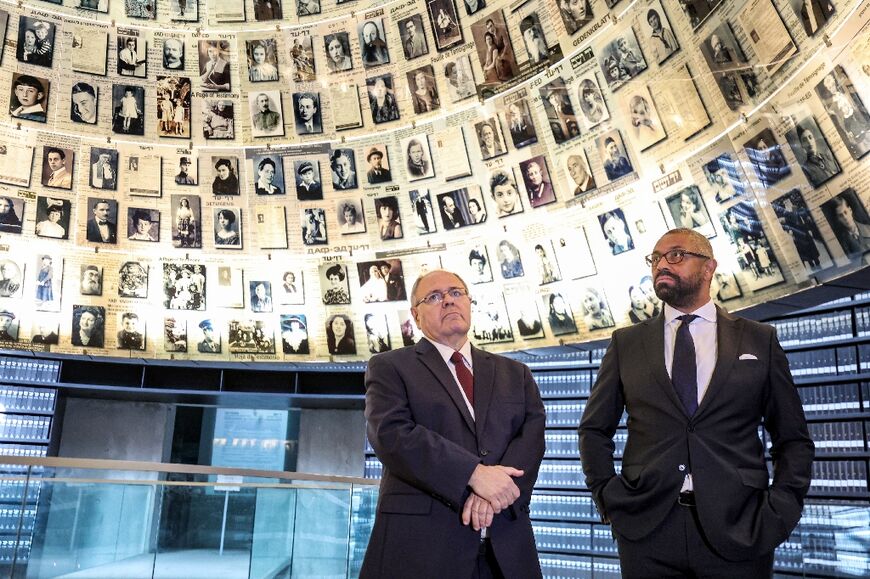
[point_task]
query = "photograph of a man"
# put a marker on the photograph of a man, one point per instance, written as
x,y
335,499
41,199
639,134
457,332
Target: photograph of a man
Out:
x,y
57,171
173,54
29,97
433,459
308,181
306,112
503,190
186,172
813,153
850,222
266,114
91,281
413,37
612,150
102,226
703,382
343,165
615,230
129,336
379,169
373,47
210,343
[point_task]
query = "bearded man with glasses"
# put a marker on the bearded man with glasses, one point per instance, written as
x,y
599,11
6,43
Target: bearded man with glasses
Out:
x,y
693,498
460,433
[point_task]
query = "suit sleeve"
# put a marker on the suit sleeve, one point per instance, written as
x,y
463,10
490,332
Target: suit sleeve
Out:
x,y
526,450
598,425
417,455
792,449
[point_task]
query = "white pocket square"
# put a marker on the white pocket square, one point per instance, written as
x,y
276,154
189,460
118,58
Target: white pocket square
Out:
x,y
748,357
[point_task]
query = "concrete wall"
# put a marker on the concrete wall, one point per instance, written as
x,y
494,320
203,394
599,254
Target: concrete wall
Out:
x,y
331,442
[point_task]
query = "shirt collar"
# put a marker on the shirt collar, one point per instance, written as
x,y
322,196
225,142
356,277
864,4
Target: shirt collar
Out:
x,y
447,351
707,312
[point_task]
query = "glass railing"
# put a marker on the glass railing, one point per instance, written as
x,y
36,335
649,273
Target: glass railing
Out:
x,y
77,518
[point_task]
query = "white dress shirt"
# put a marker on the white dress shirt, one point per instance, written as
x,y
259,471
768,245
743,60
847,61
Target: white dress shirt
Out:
x,y
446,352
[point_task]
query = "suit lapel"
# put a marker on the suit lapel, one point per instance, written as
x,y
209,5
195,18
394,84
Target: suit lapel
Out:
x,y
728,334
432,359
484,376
654,343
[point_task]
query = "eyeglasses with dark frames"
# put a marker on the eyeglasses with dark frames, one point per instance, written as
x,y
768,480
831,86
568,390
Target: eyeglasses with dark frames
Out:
x,y
673,256
436,297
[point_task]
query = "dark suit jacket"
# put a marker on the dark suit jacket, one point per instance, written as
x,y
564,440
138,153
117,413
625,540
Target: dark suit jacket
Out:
x,y
742,516
422,432
93,232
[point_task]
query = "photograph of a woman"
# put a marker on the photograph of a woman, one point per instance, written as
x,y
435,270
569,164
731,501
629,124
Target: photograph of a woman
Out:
x,y
339,335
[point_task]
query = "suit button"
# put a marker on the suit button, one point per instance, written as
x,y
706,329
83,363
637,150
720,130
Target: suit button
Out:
x,y
484,452
681,468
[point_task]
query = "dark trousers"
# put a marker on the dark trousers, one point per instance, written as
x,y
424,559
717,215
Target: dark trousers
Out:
x,y
678,548
487,566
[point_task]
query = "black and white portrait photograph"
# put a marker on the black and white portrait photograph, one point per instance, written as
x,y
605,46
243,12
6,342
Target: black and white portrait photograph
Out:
x,y
104,168
504,193
225,179
559,315
91,280
140,9
750,246
268,10
302,64
313,221
727,62
268,174
612,152
228,228
812,151
528,318
214,66
423,213
614,227
576,165
262,56
479,268
83,103
494,49
132,55
57,167
659,33
246,336
11,279
308,183
184,10
28,99
535,42
339,335
184,286
338,57
294,334
377,332
88,326
518,120
460,79
724,286
445,23
814,14
424,91
373,44
382,281
143,224
645,126
173,106
291,288
173,54
389,218
378,164
546,263
849,221
560,111
461,207
382,99
796,220
490,321
218,119
418,157
413,35
187,169
186,221
595,309
35,41
351,217
335,284
260,296
846,111
575,14
11,214
95,5
723,177
133,280
591,99
307,114
766,157
45,330
174,335
266,113
490,138
128,106
698,10
131,331
342,162
621,59
537,180
53,217
307,8
688,211
102,220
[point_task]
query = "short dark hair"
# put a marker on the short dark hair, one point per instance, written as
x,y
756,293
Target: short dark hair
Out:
x,y
264,162
223,161
498,179
474,254
141,215
28,80
228,215
51,150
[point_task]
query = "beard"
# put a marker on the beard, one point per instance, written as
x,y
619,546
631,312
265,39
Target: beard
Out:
x,y
682,292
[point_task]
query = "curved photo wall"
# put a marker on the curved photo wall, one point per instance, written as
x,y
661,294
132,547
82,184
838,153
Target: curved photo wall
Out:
x,y
264,180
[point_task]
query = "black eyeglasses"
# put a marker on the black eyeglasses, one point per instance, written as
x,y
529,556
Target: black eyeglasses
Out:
x,y
436,297
672,257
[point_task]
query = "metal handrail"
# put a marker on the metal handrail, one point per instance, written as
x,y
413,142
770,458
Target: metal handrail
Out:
x,y
104,464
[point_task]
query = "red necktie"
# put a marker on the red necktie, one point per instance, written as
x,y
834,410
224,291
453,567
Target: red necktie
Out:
x,y
466,379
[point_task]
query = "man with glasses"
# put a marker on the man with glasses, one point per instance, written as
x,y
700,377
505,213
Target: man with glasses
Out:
x,y
693,497
460,432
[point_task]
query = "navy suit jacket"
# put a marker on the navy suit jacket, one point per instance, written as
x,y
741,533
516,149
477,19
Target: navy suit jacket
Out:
x,y
429,444
742,515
